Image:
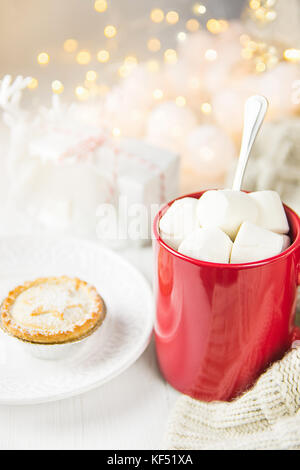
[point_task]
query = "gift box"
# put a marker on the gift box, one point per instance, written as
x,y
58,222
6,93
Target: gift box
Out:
x,y
144,177
69,174
91,185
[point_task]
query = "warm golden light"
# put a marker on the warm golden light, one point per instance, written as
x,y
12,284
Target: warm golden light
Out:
x,y
292,55
81,93
125,70
254,4
116,132
57,86
260,67
158,94
172,17
43,58
271,15
83,57
70,45
199,9
153,44
211,55
213,26
244,39
206,108
91,75
247,53
260,14
152,65
217,26
103,55
180,101
130,60
157,15
110,31
181,36
223,25
100,5
33,84
170,56
192,25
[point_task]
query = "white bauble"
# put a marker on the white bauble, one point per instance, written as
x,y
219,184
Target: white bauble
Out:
x,y
127,105
228,107
180,80
209,151
169,124
119,112
192,50
279,85
139,85
233,32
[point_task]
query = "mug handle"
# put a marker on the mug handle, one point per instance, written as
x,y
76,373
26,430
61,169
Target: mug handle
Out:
x,y
296,334
296,331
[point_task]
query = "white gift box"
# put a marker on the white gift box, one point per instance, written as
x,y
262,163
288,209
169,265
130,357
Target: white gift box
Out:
x,y
68,174
146,177
130,176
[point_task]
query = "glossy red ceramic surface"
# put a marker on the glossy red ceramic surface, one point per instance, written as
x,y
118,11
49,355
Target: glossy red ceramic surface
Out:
x,y
218,326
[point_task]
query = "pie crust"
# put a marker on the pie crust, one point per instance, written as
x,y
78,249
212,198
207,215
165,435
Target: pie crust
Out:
x,y
52,310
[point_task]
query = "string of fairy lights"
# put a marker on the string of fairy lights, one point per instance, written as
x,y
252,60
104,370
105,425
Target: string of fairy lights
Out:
x,y
154,45
260,55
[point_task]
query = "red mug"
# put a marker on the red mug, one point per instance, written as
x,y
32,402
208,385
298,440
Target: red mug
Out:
x,y
218,326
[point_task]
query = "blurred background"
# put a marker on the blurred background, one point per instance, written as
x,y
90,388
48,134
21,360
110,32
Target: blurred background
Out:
x,y
174,74
30,27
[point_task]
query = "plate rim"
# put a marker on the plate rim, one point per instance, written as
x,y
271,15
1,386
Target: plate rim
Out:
x,y
131,359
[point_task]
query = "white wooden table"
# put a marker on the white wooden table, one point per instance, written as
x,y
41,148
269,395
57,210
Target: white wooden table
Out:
x,y
130,412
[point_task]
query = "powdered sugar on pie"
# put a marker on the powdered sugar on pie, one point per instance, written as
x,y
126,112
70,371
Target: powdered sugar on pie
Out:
x,y
55,309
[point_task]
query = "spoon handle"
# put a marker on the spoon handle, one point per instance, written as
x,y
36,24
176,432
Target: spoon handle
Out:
x,y
255,109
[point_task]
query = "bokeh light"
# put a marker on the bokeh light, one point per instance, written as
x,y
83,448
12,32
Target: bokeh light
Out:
x,y
199,9
110,31
206,108
43,58
180,101
103,55
100,6
192,25
172,17
83,57
91,75
158,94
170,56
157,15
81,93
70,45
154,44
57,86
292,55
33,84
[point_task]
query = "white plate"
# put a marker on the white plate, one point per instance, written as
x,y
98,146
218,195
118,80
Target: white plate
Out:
x,y
129,301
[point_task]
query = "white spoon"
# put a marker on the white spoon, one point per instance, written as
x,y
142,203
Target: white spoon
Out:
x,y
255,110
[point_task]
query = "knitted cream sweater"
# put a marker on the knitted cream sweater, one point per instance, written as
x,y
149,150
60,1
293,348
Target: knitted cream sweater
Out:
x,y
266,417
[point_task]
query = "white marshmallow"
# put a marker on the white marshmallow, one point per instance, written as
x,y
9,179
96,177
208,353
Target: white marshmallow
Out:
x,y
286,242
227,210
179,221
271,212
254,243
207,244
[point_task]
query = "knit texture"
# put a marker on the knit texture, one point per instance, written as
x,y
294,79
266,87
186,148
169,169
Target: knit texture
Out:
x,y
266,417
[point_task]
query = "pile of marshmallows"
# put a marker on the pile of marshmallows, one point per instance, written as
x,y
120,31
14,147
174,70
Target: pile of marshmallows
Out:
x,y
227,226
